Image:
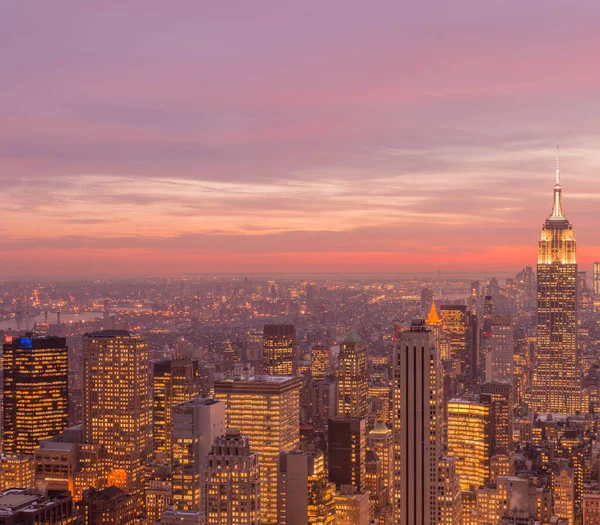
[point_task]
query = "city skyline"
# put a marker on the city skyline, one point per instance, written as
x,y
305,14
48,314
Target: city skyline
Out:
x,y
208,149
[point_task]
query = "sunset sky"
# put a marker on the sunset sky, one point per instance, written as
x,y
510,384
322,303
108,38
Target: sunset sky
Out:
x,y
155,137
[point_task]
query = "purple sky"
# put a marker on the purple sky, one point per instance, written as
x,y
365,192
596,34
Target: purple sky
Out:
x,y
168,137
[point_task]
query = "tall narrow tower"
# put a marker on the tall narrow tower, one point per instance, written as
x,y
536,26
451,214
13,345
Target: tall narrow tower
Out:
x,y
418,398
353,383
556,379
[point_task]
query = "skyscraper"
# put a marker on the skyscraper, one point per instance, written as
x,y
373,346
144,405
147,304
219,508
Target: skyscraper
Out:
x,y
418,398
306,495
347,449
502,401
175,382
266,409
353,385
35,391
454,327
596,278
279,344
500,354
470,439
556,385
117,411
196,425
381,441
231,482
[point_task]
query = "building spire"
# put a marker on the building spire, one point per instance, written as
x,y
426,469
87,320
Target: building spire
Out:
x,y
557,212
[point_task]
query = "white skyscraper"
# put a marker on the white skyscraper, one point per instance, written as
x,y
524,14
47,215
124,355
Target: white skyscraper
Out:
x,y
418,398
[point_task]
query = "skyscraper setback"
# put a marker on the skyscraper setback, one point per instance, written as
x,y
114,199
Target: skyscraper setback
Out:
x,y
556,384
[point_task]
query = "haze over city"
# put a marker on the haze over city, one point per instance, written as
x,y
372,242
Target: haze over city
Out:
x,y
141,138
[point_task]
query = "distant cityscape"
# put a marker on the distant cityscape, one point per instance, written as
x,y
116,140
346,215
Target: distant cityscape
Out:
x,y
349,400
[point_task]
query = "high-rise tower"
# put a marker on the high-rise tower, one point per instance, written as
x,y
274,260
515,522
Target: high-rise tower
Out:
x,y
279,343
267,410
418,399
556,378
35,391
117,411
353,384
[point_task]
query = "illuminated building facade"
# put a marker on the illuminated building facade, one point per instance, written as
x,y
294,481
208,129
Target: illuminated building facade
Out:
x,y
159,491
117,411
109,506
454,327
174,382
320,361
596,278
418,400
35,391
347,448
449,501
18,472
502,401
306,495
56,461
469,431
500,355
556,381
279,347
591,503
563,492
380,440
231,482
351,507
266,409
196,424
353,383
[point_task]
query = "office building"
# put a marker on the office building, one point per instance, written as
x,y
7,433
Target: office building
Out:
x,y
470,439
353,383
351,506
196,425
306,495
556,381
279,348
174,382
266,409
381,441
591,503
31,507
109,506
320,361
347,447
117,411
18,471
56,461
454,328
231,482
449,501
35,391
563,492
596,278
500,355
418,399
503,422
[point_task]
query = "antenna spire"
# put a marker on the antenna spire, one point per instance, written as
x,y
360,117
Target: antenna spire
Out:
x,y
557,166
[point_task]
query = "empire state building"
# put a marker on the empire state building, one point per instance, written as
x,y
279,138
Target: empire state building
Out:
x,y
556,385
